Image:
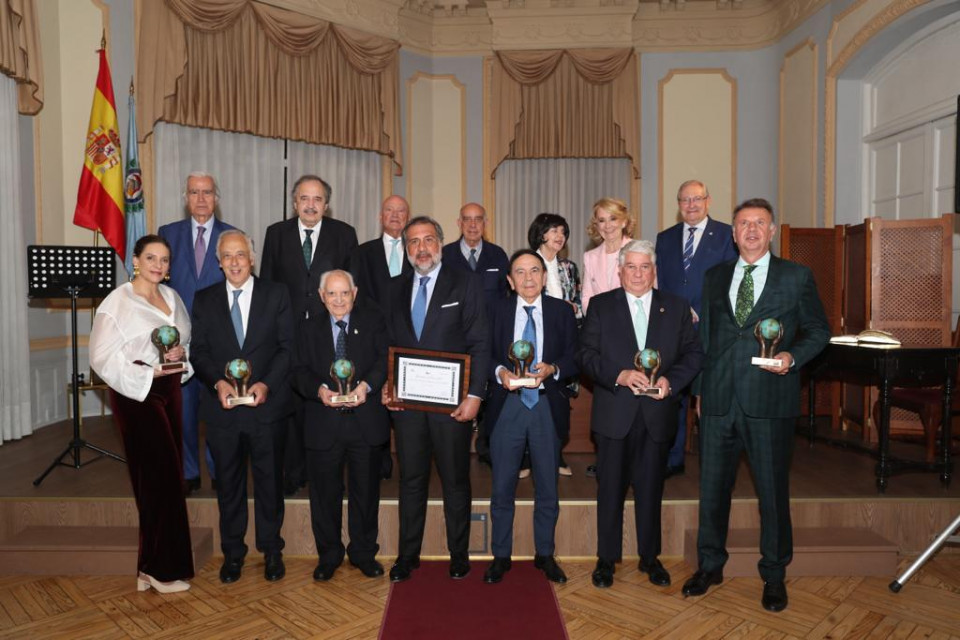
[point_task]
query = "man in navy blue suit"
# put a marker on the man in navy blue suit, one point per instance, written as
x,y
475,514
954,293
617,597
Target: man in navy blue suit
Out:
x,y
685,252
472,253
194,266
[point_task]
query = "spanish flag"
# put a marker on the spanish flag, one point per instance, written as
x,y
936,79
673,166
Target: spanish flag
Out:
x,y
100,196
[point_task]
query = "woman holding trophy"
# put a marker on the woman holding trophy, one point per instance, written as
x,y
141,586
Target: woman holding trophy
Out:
x,y
138,346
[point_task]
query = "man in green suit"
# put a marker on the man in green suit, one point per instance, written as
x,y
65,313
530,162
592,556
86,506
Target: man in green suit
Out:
x,y
745,407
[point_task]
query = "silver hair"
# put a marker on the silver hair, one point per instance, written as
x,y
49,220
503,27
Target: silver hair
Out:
x,y
229,233
200,174
688,183
637,246
335,272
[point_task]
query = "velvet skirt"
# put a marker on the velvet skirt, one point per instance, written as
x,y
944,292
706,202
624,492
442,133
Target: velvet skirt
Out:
x,y
153,444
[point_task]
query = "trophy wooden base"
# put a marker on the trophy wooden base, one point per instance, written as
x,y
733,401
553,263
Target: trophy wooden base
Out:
x,y
527,383
236,401
344,399
767,362
170,367
652,392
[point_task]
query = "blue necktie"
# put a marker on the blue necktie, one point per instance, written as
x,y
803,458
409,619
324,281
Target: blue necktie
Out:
x,y
473,260
236,317
688,248
340,350
530,397
419,312
394,259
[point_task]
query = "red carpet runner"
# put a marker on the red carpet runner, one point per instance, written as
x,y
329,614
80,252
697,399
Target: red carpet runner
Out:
x,y
431,606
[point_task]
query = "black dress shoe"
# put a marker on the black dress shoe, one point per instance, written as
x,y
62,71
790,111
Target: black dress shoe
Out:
x,y
602,575
459,566
774,596
702,580
550,568
324,571
230,570
658,575
495,571
677,470
402,568
370,568
191,485
274,570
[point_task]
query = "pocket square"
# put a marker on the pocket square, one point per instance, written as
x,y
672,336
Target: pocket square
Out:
x,y
449,304
494,269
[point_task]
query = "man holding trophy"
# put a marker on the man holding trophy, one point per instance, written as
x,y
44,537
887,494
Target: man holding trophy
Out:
x,y
750,395
638,345
533,345
341,366
242,351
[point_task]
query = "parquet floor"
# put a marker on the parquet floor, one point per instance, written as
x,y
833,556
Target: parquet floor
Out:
x,y
351,606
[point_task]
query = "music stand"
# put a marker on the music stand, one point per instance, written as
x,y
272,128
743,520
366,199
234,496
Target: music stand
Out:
x,y
74,272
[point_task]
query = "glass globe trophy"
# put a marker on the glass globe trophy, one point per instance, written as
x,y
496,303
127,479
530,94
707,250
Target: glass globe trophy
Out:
x,y
164,339
521,355
648,361
238,373
342,372
768,332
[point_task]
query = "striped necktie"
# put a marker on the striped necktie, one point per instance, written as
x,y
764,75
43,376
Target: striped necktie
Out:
x,y
688,248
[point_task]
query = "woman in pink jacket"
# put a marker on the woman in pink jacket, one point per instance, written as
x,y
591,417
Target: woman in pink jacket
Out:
x,y
612,227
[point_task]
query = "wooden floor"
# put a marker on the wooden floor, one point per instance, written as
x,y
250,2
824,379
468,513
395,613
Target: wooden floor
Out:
x,y
351,606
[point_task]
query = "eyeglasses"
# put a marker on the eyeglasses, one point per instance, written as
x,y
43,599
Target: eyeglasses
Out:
x,y
692,200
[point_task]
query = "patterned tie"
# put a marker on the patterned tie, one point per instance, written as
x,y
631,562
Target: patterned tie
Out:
x,y
688,248
473,260
745,295
419,312
640,325
236,317
307,248
530,397
395,258
340,351
200,250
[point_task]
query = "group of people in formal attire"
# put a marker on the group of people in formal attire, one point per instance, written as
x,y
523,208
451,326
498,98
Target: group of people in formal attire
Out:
x,y
320,297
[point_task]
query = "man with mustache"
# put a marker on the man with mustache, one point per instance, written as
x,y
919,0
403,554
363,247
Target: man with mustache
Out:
x,y
441,309
295,253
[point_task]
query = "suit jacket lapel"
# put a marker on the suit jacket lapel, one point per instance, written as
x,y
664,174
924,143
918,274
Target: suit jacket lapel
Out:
x,y
655,322
440,291
726,281
294,248
772,284
624,318
222,309
258,303
406,291
210,257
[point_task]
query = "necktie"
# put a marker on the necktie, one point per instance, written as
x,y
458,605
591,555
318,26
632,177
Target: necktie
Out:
x,y
688,248
530,397
419,313
395,258
200,249
745,295
640,325
236,317
473,259
307,248
340,351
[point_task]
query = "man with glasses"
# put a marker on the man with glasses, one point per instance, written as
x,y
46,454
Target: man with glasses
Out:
x,y
685,252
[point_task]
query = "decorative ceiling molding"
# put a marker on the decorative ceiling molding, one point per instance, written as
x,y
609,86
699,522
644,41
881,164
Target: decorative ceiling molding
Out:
x,y
474,27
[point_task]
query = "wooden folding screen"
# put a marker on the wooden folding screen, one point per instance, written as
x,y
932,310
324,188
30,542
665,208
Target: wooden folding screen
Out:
x,y
822,251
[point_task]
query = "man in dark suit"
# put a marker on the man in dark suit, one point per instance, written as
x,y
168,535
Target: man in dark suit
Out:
x,y
685,252
295,253
751,408
538,416
633,433
246,318
194,266
374,264
350,433
440,309
474,254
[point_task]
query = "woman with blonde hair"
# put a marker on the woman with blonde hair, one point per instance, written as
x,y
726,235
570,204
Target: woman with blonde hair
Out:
x,y
611,227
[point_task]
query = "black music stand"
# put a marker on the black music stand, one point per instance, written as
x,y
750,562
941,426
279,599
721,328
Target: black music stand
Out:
x,y
73,272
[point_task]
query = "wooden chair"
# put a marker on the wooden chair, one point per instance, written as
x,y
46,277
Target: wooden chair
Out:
x,y
927,402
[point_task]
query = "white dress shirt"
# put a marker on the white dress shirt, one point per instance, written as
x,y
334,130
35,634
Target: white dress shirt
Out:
x,y
697,235
465,249
647,300
243,300
121,335
430,285
208,225
554,289
313,236
388,249
759,278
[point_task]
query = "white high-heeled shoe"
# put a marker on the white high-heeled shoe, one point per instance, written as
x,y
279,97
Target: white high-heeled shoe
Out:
x,y
144,582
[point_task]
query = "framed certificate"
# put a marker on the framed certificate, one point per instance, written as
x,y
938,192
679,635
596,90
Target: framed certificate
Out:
x,y
427,380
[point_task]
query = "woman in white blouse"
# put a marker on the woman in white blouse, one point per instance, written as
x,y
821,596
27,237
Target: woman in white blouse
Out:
x,y
147,408
612,227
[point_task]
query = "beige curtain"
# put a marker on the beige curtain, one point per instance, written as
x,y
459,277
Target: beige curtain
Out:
x,y
575,103
245,66
20,52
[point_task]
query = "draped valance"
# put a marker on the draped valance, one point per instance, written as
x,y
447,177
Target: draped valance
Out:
x,y
249,67
20,52
569,103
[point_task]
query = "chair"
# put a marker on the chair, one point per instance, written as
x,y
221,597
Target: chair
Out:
x,y
927,402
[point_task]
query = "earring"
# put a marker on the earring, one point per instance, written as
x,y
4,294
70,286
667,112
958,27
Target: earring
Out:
x,y
136,272
166,278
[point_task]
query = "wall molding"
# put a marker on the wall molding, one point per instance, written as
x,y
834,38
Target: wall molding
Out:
x,y
810,45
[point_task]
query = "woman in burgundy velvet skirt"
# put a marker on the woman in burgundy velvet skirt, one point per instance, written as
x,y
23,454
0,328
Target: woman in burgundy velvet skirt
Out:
x,y
146,406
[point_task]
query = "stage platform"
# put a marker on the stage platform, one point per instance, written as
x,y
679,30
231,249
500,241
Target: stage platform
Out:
x,y
830,487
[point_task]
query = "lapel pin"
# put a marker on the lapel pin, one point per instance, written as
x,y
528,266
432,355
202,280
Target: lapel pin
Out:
x,y
662,310
355,332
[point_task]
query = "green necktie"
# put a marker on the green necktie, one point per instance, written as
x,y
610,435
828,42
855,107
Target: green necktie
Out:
x,y
307,248
640,325
745,295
